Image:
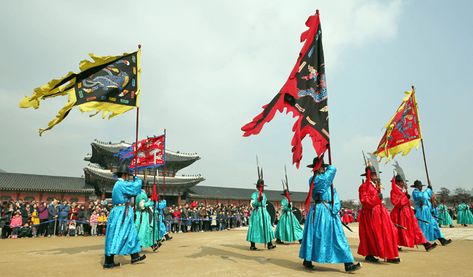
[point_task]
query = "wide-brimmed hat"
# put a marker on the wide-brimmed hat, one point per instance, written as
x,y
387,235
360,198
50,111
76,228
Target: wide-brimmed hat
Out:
x,y
317,161
284,192
260,182
122,169
417,183
370,168
398,178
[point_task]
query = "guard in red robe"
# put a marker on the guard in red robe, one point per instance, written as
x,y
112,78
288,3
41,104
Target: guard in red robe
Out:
x,y
408,232
378,237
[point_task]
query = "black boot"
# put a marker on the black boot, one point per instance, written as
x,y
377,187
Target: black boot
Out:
x,y
271,245
253,246
371,259
444,241
300,241
393,261
109,263
429,246
349,267
168,237
137,258
278,241
308,264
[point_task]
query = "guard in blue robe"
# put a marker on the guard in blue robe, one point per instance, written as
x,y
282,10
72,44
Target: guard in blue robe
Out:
x,y
121,237
323,240
161,228
144,222
288,229
423,209
260,229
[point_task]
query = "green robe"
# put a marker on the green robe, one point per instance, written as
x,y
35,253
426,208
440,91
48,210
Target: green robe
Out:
x,y
464,215
444,217
288,228
259,230
144,221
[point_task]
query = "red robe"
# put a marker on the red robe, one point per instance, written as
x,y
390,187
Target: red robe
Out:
x,y
378,236
403,215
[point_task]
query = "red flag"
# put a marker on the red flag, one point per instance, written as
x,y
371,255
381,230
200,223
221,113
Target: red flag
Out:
x,y
304,94
154,195
149,152
402,131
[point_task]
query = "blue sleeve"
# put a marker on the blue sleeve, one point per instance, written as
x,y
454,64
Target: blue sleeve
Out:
x,y
162,204
428,194
336,203
323,181
131,188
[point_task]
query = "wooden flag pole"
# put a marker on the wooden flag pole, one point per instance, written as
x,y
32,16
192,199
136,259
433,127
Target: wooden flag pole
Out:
x,y
330,162
164,165
136,138
422,139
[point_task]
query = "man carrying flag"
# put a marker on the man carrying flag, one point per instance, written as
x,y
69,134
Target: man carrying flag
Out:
x,y
324,240
109,84
121,237
427,222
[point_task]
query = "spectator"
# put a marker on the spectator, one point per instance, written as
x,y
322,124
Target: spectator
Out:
x,y
64,209
43,217
15,224
53,211
93,223
34,222
102,223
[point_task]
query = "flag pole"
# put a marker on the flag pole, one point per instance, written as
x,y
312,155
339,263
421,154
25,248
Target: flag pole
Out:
x,y
330,162
164,165
136,136
421,138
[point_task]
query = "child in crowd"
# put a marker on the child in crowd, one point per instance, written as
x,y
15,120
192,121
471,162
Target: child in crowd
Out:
x,y
15,224
25,231
93,223
102,222
72,228
34,222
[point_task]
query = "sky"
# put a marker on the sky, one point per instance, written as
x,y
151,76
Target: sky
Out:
x,y
208,66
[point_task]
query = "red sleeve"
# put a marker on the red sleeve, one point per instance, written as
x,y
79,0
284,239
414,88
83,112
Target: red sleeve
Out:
x,y
368,197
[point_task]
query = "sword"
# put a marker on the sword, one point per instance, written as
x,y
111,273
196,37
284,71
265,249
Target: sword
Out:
x,y
421,220
345,225
400,226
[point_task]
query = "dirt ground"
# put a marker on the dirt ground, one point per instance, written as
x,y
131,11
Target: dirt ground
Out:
x,y
220,254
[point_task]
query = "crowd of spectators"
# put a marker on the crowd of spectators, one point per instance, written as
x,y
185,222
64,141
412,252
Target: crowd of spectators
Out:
x,y
55,218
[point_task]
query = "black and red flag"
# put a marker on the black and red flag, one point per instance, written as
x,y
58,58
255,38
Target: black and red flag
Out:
x,y
304,94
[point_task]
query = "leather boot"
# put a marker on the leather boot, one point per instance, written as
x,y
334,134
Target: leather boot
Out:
x,y
168,237
253,246
271,245
135,258
349,267
109,263
278,241
429,246
308,264
371,259
444,241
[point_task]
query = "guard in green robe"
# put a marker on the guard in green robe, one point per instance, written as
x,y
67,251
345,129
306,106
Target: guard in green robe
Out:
x,y
288,228
464,215
444,217
144,222
260,229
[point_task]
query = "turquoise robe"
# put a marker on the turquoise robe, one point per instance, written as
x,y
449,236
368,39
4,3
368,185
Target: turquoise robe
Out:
x,y
324,240
259,230
121,237
288,228
144,220
423,207
444,217
160,227
464,215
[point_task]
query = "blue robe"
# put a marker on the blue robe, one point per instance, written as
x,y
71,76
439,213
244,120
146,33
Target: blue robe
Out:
x,y
288,228
161,230
259,230
423,209
144,220
121,237
324,240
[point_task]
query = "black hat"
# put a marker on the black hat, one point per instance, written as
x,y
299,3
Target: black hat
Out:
x,y
122,169
260,182
371,168
316,161
284,193
398,178
417,183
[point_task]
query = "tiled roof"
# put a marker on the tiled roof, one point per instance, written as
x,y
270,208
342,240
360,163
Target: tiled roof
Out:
x,y
241,193
32,182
